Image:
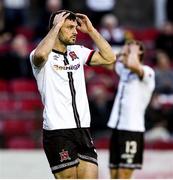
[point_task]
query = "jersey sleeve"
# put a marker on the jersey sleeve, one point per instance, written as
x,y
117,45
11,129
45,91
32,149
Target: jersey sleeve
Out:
x,y
86,54
35,69
149,76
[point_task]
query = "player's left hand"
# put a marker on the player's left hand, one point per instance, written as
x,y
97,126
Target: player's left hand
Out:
x,y
85,24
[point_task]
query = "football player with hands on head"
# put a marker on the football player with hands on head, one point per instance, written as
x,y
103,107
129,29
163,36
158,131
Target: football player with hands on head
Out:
x,y
58,66
127,119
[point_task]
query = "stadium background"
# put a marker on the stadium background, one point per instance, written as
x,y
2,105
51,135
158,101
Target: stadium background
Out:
x,y
24,22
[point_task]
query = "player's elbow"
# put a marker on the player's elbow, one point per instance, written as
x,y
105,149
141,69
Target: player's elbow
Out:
x,y
111,58
39,57
40,54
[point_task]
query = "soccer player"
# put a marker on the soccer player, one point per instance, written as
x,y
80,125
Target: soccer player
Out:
x,y
137,82
58,68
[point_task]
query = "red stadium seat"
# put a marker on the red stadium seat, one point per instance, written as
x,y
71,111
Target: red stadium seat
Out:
x,y
23,89
4,93
26,31
29,109
1,126
23,85
4,48
159,145
3,85
148,34
28,105
20,143
22,127
7,106
21,109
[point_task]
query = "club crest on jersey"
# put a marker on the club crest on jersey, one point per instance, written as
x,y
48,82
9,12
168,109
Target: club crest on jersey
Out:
x,y
73,55
64,155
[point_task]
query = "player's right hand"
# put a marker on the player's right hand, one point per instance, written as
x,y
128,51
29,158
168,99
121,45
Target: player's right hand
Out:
x,y
60,18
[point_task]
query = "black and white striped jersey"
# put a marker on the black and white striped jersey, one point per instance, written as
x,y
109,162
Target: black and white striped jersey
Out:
x,y
61,83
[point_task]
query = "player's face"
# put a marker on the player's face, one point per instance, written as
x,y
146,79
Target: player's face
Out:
x,y
68,32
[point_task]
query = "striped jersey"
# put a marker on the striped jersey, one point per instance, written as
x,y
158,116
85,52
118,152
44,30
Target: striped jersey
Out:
x,y
61,83
132,99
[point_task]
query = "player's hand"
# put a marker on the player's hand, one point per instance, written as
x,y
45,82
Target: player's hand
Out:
x,y
85,24
60,18
134,49
133,57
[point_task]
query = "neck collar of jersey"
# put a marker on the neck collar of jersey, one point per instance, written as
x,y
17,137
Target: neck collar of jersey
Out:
x,y
56,51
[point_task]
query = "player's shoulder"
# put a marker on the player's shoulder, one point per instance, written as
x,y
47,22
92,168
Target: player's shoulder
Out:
x,y
31,55
32,52
148,69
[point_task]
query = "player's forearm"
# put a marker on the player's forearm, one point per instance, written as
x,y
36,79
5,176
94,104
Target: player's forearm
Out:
x,y
46,45
134,64
105,49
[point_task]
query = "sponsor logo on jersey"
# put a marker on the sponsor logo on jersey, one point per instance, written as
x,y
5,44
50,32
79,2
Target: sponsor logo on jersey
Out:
x,y
67,67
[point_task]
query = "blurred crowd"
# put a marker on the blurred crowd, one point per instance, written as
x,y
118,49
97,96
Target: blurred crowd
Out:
x,y
24,22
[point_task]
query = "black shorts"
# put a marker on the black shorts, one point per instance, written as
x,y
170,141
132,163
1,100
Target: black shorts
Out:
x,y
64,148
126,149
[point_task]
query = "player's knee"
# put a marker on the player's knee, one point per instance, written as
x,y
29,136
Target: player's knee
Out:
x,y
70,173
65,176
114,173
124,173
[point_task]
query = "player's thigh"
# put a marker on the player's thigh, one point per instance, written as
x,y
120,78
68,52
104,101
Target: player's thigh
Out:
x,y
124,173
70,173
87,170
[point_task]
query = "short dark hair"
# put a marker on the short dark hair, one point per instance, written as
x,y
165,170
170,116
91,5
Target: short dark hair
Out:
x,y
72,16
141,47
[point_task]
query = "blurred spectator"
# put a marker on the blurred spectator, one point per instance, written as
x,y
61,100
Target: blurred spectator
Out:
x,y
101,76
163,74
42,24
169,10
164,40
2,21
16,13
97,8
100,106
101,90
161,108
158,132
4,36
111,30
15,64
